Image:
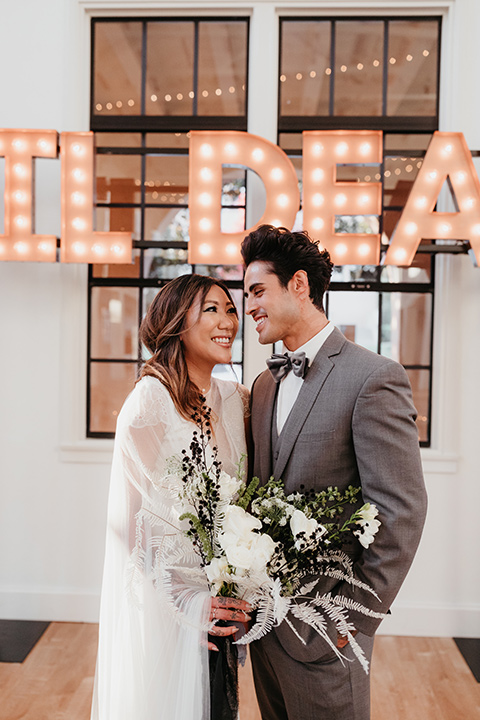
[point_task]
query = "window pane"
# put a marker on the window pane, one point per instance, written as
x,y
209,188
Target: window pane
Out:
x,y
358,68
291,141
166,179
169,85
118,178
356,315
222,272
356,224
412,68
171,140
110,383
114,323
222,64
400,174
420,382
237,295
406,327
395,141
355,273
109,219
358,173
120,139
420,271
165,263
117,63
232,220
149,295
234,186
166,224
118,270
305,62
390,221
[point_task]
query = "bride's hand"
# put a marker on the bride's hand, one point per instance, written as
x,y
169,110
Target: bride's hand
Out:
x,y
230,609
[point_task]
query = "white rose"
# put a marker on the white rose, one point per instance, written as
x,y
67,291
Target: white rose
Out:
x,y
229,485
262,551
239,555
251,553
239,522
217,569
218,572
300,523
368,512
367,534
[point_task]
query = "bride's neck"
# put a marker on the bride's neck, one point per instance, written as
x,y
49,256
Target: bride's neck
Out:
x,y
201,377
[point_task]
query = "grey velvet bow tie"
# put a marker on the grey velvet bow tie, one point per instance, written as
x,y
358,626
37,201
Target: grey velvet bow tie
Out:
x,y
280,365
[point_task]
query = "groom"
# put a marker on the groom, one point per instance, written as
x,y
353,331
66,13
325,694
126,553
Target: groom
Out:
x,y
348,420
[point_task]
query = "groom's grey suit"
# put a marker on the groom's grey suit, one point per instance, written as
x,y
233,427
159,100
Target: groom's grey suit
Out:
x,y
353,423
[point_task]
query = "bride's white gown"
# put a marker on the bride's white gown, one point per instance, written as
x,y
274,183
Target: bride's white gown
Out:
x,y
150,666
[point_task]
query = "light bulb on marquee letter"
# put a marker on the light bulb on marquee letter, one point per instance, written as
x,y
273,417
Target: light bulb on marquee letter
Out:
x,y
447,157
19,241
79,242
205,190
324,197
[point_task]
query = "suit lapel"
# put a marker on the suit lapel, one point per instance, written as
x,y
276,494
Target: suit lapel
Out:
x,y
264,404
312,385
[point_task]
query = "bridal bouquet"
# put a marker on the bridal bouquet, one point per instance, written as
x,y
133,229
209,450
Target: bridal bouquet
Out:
x,y
270,548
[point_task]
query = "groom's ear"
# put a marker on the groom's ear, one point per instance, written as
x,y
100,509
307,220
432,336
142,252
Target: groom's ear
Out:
x,y
300,285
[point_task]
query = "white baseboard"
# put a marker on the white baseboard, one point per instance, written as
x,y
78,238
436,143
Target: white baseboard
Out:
x,y
406,619
60,606
425,620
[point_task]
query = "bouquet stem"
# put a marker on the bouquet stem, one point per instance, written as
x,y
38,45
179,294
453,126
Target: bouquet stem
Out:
x,y
224,679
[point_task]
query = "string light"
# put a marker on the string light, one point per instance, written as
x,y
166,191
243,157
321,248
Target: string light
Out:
x,y
400,254
299,76
21,247
205,249
318,223
205,224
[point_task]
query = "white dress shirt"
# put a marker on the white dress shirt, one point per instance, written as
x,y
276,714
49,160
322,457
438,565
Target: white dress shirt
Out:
x,y
290,385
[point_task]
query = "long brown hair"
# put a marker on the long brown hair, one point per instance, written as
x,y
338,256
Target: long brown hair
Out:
x,y
160,333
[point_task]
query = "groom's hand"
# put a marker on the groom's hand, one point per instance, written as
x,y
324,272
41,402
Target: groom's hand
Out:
x,y
342,640
229,609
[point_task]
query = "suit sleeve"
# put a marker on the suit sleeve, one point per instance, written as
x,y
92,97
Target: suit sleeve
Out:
x,y
387,452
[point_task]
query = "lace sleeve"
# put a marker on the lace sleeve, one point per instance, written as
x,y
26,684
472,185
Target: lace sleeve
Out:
x,y
148,664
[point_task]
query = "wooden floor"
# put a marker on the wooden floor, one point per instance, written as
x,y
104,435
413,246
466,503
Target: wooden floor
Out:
x,y
412,679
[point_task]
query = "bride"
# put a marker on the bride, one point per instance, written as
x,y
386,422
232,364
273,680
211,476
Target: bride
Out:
x,y
153,654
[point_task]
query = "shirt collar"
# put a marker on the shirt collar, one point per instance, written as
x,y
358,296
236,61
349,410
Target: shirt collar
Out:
x,y
312,346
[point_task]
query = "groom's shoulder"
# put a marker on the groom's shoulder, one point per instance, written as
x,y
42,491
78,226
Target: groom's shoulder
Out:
x,y
358,364
262,382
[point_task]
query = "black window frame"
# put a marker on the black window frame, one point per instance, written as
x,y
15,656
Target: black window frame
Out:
x,y
147,124
418,125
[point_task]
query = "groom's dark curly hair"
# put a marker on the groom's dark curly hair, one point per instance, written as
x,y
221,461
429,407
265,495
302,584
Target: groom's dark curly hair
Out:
x,y
286,252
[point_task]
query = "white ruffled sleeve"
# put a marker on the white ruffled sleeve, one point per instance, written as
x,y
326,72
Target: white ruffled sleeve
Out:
x,y
151,664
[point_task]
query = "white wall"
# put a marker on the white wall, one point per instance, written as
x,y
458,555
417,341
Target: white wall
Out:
x,y
53,483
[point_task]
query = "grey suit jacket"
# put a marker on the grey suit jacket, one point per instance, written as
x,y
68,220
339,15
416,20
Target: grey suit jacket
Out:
x,y
353,423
